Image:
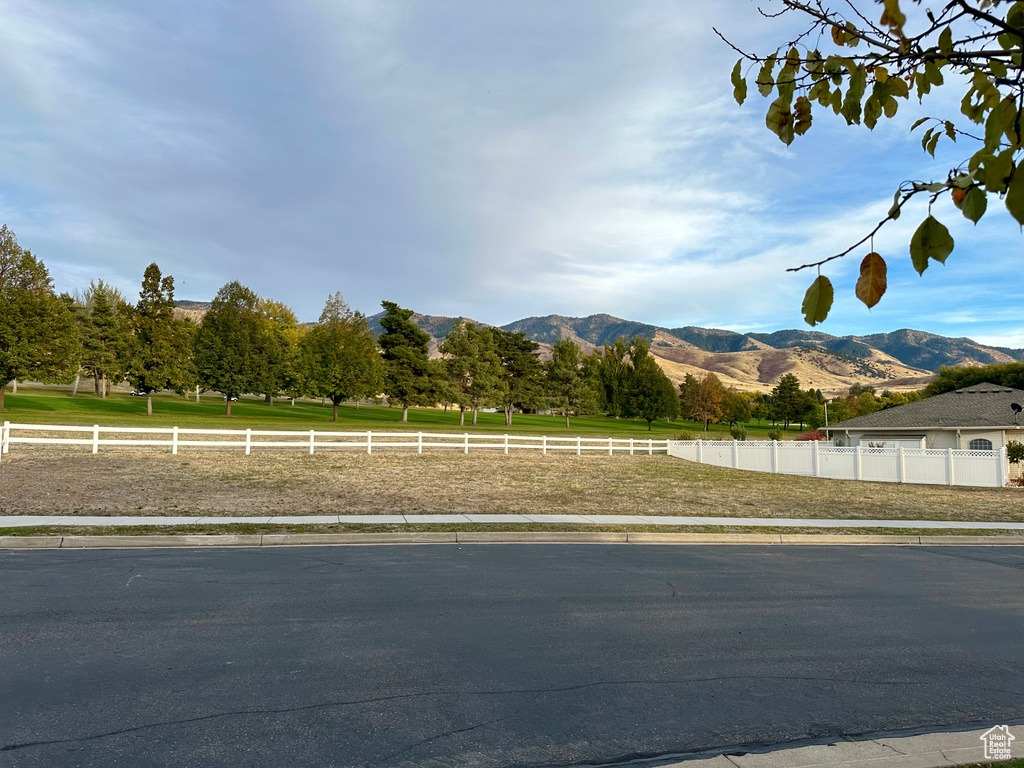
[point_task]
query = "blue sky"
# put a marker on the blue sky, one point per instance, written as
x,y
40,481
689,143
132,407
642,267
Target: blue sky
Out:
x,y
491,160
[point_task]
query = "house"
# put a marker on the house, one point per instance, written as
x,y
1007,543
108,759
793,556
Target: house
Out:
x,y
983,417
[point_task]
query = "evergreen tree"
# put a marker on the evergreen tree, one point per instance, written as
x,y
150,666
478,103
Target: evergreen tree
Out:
x,y
106,337
521,371
234,347
648,393
459,354
39,336
788,399
408,373
567,387
485,384
159,357
338,357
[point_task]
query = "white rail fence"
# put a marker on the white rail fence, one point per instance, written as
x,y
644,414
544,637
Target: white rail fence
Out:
x,y
816,459
311,440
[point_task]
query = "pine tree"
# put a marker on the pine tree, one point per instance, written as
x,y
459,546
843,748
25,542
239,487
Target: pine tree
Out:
x,y
648,393
569,391
408,373
522,374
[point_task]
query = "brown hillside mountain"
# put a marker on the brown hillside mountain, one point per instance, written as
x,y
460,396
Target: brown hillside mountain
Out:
x,y
901,360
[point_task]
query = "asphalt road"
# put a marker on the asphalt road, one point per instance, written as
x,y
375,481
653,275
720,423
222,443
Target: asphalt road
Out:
x,y
493,655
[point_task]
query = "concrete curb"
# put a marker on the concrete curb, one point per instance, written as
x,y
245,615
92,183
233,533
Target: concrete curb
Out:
x,y
496,537
914,748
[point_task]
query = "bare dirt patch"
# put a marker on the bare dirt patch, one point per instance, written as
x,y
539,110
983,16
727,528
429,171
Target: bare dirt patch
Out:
x,y
62,482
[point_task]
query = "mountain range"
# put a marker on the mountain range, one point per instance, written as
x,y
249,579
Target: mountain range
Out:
x,y
900,360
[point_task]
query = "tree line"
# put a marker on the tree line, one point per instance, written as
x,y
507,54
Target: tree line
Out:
x,y
245,344
248,345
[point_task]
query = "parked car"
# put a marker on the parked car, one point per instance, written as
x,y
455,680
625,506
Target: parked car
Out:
x,y
138,393
233,398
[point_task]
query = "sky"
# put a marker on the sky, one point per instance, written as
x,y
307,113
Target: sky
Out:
x,y
487,160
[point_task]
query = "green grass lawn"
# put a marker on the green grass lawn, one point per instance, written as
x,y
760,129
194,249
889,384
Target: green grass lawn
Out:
x,y
46,405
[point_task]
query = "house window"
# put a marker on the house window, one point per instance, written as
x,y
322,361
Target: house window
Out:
x,y
981,444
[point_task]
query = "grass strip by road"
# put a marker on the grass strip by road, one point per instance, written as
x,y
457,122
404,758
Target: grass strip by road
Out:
x,y
136,482
260,529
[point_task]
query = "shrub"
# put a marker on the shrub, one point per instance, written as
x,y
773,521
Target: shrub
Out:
x,y
738,432
1015,452
812,435
684,435
774,434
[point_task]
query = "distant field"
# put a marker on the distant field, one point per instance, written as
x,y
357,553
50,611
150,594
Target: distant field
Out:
x,y
52,405
71,481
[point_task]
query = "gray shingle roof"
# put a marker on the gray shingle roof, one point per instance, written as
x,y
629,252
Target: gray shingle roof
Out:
x,y
983,405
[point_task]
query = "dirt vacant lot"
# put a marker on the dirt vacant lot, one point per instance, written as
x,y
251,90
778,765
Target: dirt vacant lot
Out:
x,y
64,482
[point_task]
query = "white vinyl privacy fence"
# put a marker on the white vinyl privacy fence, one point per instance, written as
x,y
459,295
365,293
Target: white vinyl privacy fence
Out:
x,y
249,440
819,459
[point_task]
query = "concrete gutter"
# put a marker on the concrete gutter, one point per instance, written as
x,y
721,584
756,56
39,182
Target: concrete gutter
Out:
x,y
483,537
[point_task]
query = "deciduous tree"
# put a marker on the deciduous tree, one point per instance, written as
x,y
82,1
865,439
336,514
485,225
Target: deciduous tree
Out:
x,y
159,357
704,399
234,346
38,332
861,60
338,357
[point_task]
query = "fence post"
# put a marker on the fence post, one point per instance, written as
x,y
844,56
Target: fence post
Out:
x,y
735,453
95,438
506,445
578,441
369,442
543,445
901,465
5,438
312,438
419,442
610,449
856,464
700,451
650,447
174,441
775,457
1002,468
949,466
248,442
465,445
631,446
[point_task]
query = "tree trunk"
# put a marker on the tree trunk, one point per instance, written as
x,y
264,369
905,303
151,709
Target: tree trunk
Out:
x,y
462,416
508,416
474,416
105,386
405,414
650,425
335,412
566,419
14,387
357,405
74,388
197,394
3,389
149,403
268,399
227,403
96,383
